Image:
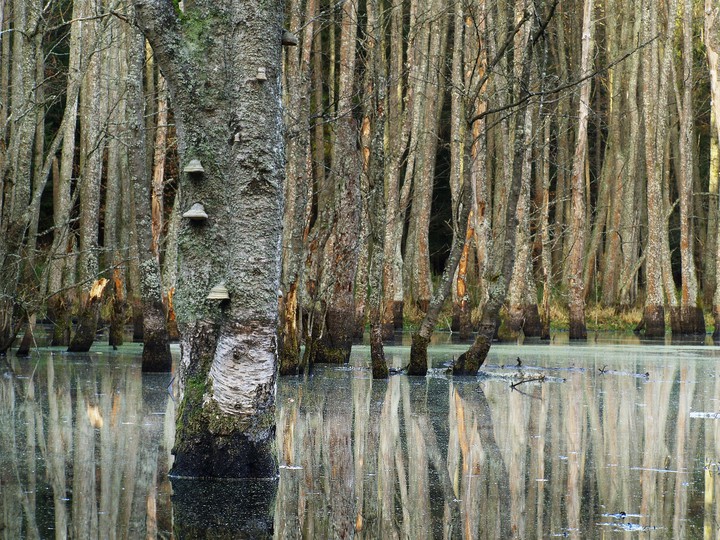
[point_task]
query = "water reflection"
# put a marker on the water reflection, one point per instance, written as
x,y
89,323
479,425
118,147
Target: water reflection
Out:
x,y
618,439
614,442
84,449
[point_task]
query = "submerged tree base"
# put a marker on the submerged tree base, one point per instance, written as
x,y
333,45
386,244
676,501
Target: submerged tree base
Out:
x,y
418,356
377,353
214,444
692,321
470,361
653,321
578,330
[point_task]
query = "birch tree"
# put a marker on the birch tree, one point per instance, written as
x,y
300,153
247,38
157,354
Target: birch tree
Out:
x,y
221,61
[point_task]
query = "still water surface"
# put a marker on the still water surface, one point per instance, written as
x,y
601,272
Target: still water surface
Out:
x,y
620,440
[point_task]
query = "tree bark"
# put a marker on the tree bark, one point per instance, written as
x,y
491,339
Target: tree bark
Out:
x,y
91,166
654,104
298,183
579,210
503,262
210,59
335,306
712,49
692,320
156,355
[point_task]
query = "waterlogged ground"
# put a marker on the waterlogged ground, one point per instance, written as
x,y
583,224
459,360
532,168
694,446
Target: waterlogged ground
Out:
x,y
620,439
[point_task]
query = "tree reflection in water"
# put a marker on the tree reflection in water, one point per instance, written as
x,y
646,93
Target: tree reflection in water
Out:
x,y
85,451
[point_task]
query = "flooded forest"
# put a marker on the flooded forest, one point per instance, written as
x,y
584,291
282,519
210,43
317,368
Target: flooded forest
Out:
x,y
355,255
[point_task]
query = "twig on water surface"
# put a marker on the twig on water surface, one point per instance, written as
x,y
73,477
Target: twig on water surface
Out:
x,y
514,385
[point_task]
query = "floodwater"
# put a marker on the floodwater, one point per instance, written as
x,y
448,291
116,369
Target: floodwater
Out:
x,y
620,439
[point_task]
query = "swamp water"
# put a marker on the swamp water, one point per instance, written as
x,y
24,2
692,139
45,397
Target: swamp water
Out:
x,y
620,440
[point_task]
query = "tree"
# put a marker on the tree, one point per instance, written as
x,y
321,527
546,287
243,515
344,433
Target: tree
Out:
x,y
334,243
579,211
221,61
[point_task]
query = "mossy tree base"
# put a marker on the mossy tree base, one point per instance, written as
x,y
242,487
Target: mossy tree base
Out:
x,y
335,342
60,318
532,324
676,325
137,320
377,353
213,444
578,330
116,334
156,357
289,355
692,321
28,339
418,356
653,321
469,362
461,320
398,310
716,318
84,335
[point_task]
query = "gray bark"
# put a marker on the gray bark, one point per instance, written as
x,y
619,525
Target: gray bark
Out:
x,y
210,59
156,342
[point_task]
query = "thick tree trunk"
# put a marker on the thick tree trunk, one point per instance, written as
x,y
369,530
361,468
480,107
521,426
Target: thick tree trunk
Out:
x,y
223,78
654,86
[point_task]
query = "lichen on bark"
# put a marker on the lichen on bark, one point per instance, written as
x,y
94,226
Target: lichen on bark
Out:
x,y
210,57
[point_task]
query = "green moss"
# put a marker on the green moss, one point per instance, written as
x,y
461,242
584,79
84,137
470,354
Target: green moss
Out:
x,y
197,416
189,419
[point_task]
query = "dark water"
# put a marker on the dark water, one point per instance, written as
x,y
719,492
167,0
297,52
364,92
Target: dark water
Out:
x,y
620,440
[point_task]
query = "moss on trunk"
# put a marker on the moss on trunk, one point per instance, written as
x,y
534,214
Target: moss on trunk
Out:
x,y
692,320
156,355
84,335
213,444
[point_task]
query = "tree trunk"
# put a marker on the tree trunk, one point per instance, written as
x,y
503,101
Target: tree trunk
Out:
x,y
654,104
91,166
224,78
156,342
117,53
335,320
374,166
692,320
421,339
503,261
579,211
712,48
399,103
298,183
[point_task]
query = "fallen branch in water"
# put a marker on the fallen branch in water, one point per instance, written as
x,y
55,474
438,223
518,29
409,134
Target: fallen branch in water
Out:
x,y
514,385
